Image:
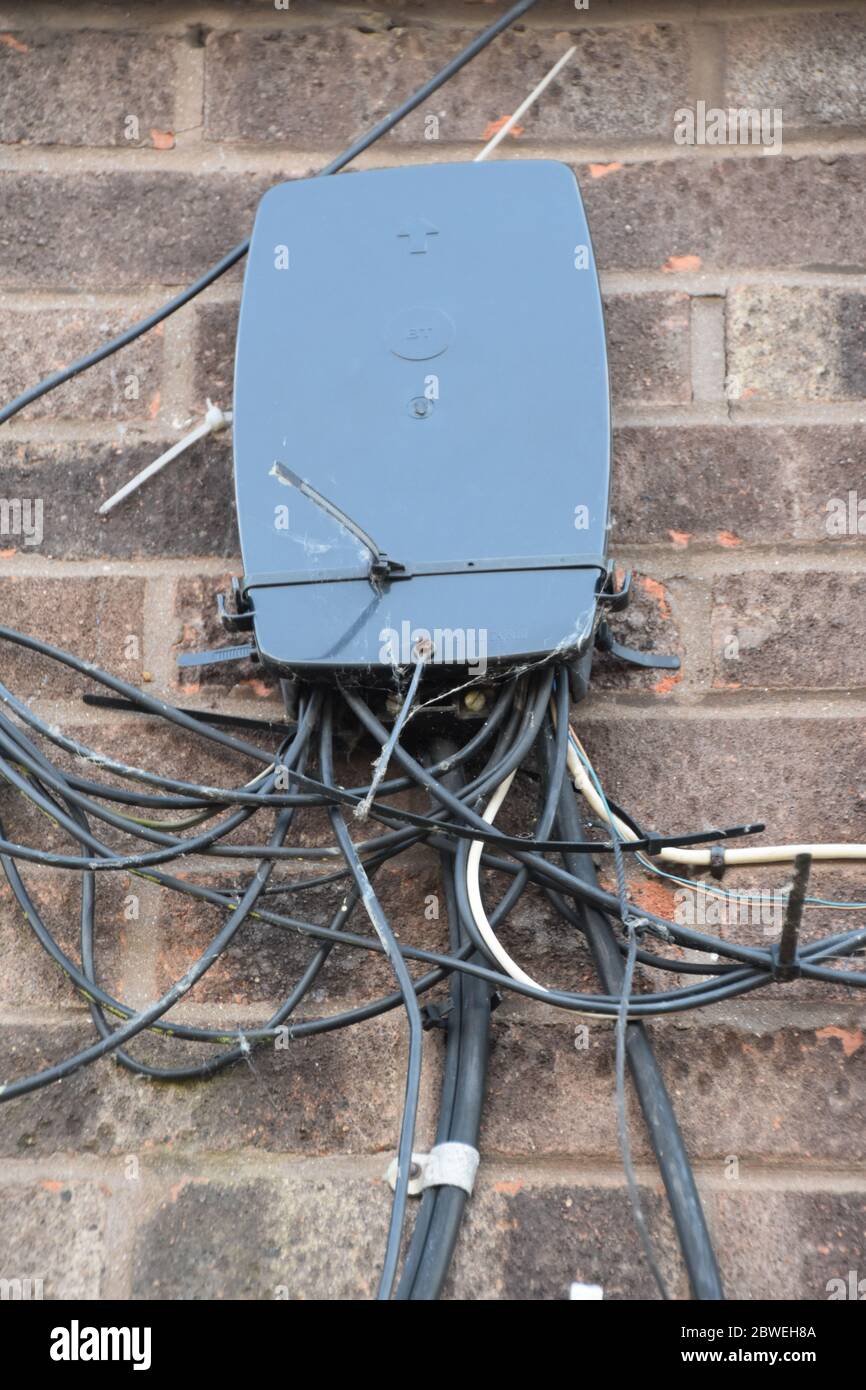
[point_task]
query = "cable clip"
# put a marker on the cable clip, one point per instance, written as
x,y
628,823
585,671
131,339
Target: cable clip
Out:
x,y
446,1165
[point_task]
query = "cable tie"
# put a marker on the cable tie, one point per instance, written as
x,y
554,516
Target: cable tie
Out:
x,y
214,421
435,1015
785,954
717,861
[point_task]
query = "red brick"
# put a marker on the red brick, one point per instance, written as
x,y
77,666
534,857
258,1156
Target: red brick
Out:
x,y
101,620
789,631
812,68
64,88
187,509
679,774
107,230
730,213
796,344
712,484
651,623
790,1094
57,1231
341,80
126,387
28,976
754,212
648,345
340,1092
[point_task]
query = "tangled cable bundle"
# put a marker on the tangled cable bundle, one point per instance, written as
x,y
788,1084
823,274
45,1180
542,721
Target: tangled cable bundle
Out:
x,y
163,820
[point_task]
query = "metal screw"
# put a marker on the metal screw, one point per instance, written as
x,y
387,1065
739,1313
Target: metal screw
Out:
x,y
421,407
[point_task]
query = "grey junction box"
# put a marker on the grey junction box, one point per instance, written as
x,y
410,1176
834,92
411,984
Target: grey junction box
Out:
x,y
425,348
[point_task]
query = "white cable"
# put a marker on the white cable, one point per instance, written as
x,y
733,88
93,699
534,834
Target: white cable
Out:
x,y
700,858
473,888
524,106
214,420
476,906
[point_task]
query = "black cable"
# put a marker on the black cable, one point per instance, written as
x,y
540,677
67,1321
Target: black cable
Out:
x,y
463,1085
383,930
655,1102
519,717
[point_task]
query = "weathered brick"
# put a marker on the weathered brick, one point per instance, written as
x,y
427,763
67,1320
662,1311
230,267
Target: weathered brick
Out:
x,y
101,620
151,744
216,329
125,387
709,483
721,485
56,1231
794,1093
91,88
323,1237
107,230
342,80
783,631
337,1092
262,1240
729,213
756,920
727,770
528,1241
28,976
830,483
187,509
814,69
807,344
786,1244
648,347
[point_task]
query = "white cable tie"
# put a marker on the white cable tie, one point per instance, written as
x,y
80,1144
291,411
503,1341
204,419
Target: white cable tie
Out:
x,y
586,1291
214,421
524,106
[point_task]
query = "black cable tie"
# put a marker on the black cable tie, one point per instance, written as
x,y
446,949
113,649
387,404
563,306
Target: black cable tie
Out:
x,y
435,1015
785,957
717,861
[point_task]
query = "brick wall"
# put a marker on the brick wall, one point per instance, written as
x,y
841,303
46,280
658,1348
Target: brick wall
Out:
x,y
136,139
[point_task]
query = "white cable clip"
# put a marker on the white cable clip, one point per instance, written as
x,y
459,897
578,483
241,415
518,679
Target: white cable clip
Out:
x,y
582,1292
214,420
446,1165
